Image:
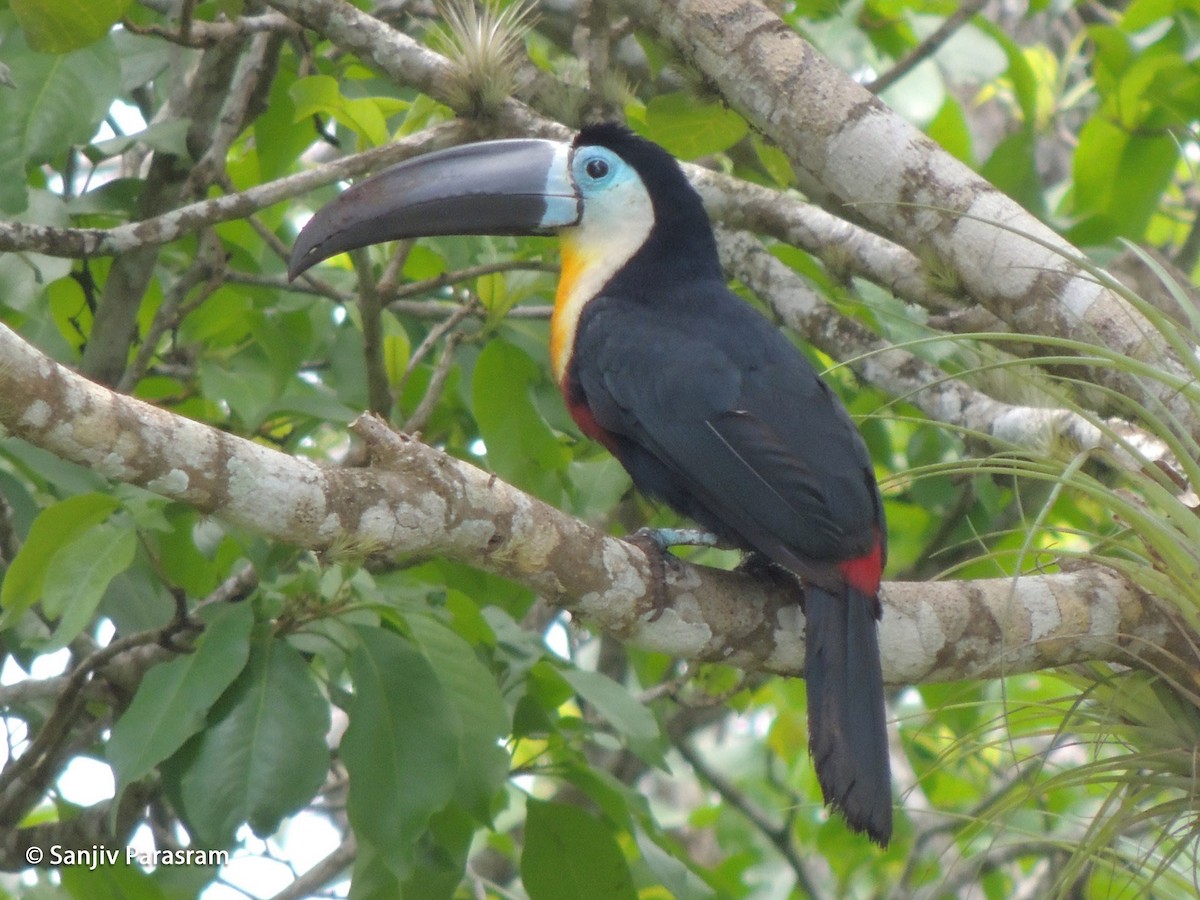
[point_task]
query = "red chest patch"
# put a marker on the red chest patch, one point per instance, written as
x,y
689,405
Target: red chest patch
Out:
x,y
582,414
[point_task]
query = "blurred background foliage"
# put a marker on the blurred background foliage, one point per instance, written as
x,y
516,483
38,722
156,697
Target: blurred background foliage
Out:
x,y
496,749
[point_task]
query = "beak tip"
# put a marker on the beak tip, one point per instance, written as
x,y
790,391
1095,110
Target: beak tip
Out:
x,y
305,255
297,266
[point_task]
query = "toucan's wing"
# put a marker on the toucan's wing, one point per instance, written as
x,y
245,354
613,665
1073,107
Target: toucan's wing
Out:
x,y
747,428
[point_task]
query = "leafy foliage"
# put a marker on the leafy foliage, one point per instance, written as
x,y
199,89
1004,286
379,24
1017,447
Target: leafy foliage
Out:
x,y
455,737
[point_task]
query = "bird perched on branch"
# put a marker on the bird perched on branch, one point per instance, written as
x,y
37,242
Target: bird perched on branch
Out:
x,y
707,405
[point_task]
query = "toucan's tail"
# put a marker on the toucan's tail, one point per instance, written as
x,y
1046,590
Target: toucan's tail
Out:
x,y
847,728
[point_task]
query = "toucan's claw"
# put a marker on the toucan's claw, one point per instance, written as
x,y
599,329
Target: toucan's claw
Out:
x,y
649,541
655,542
760,567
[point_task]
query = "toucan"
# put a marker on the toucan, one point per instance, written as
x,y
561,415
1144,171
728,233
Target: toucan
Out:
x,y
707,405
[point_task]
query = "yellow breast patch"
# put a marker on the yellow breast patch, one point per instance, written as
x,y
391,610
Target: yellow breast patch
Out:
x,y
591,256
568,304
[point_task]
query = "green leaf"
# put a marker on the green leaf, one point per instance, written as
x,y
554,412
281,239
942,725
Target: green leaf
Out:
x,y
690,128
520,445
320,94
59,26
1119,177
263,755
674,874
597,485
423,263
55,528
774,160
442,857
401,747
174,698
25,278
1012,168
1020,72
79,575
571,855
632,720
143,57
167,137
950,129
372,879
278,140
58,101
315,95
472,689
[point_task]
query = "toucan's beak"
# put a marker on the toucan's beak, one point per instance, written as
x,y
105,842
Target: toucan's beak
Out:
x,y
496,187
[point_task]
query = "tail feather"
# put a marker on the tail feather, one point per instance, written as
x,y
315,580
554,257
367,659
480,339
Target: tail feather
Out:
x,y
847,728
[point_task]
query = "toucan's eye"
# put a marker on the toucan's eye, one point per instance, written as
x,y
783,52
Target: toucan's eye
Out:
x,y
596,168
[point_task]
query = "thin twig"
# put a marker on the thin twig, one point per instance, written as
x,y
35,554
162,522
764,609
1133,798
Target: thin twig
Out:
x,y
448,278
436,333
379,395
416,422
207,272
323,872
205,34
48,743
779,835
926,48
440,309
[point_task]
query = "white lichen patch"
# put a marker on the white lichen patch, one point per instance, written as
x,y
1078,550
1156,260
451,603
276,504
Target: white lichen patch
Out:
x,y
189,446
1045,619
477,533
864,160
97,432
534,544
679,631
987,253
391,525
172,484
79,396
789,640
113,465
1105,614
61,439
907,643
281,499
1081,294
36,415
623,577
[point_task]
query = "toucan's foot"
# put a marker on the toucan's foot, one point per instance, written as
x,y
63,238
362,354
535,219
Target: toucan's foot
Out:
x,y
665,538
655,542
761,568
655,549
179,634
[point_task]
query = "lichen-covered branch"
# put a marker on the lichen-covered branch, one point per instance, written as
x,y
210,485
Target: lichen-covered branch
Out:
x,y
416,500
1041,430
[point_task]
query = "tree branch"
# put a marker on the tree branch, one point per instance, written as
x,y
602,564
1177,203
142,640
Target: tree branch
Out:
x,y
417,501
1041,430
